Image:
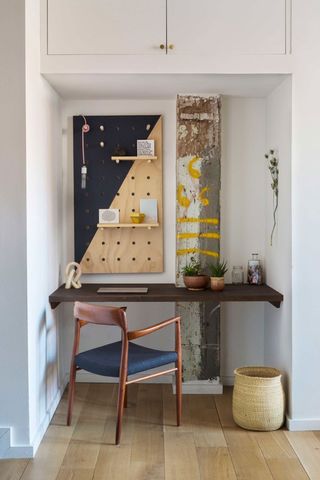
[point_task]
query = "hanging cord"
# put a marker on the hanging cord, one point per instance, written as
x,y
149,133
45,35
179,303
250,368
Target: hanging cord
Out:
x,y
85,129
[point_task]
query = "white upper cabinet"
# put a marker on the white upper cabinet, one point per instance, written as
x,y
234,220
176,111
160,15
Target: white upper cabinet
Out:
x,y
147,27
208,27
97,27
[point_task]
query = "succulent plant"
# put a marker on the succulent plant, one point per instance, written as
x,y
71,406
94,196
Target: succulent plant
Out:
x,y
218,269
192,269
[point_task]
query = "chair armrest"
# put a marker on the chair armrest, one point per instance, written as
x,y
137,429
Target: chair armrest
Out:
x,y
146,331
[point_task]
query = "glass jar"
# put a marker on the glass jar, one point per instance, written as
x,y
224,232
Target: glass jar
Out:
x,y
237,275
254,270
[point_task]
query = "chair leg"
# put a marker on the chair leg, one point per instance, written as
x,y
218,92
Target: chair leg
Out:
x,y
126,397
179,393
121,396
71,393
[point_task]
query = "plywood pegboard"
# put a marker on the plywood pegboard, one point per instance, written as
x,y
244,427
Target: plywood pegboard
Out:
x,y
133,249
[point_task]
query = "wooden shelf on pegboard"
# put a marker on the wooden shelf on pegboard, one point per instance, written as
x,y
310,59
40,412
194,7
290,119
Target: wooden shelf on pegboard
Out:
x,y
128,225
148,158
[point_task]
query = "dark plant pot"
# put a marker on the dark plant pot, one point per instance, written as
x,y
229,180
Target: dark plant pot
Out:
x,y
217,283
197,282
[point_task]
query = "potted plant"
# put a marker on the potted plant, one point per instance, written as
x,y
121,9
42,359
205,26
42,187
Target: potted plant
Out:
x,y
218,270
192,277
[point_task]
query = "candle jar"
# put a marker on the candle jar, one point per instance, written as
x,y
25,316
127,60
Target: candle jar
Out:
x,y
254,270
237,275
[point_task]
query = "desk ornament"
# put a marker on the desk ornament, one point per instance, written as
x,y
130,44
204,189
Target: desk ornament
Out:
x,y
73,274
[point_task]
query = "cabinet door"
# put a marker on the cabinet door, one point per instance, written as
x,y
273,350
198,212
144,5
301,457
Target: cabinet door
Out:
x,y
95,27
207,27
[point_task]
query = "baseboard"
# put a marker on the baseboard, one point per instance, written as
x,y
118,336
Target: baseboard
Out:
x,y
302,424
29,451
198,387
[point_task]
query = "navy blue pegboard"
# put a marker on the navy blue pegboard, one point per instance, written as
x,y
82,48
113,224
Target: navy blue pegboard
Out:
x,y
104,176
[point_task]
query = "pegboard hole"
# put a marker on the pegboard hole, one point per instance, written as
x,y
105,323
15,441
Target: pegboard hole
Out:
x,y
103,243
118,259
103,259
88,259
149,259
133,259
133,243
87,227
149,243
87,210
148,194
118,194
132,178
148,177
118,243
102,194
133,210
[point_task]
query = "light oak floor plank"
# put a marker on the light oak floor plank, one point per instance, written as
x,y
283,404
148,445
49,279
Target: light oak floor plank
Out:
x,y
51,452
12,469
114,462
147,450
208,445
215,463
84,446
181,460
280,456
307,447
199,417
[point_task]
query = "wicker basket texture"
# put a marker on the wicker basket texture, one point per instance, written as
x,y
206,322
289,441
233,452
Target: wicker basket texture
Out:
x,y
258,400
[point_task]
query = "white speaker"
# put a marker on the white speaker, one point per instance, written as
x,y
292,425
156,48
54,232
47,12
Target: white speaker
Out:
x,y
109,215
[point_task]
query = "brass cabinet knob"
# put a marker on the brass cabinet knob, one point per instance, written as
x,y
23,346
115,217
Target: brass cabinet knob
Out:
x,y
162,46
171,46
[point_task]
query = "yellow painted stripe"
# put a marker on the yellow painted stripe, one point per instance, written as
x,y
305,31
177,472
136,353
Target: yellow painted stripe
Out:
x,y
214,221
185,251
198,235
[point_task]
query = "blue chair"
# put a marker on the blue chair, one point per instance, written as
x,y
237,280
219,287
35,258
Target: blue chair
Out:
x,y
124,358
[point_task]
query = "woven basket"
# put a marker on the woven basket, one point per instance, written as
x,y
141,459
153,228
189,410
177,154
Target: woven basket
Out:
x,y
258,398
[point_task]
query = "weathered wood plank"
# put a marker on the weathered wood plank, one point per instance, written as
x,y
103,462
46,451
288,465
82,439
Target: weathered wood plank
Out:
x,y
198,226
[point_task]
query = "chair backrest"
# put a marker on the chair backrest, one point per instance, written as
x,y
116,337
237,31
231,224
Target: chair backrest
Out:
x,y
101,315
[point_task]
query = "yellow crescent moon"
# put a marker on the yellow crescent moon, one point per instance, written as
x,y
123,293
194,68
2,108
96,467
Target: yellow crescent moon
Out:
x,y
182,199
193,172
201,197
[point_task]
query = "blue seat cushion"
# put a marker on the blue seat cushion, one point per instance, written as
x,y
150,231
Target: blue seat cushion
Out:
x,y
105,360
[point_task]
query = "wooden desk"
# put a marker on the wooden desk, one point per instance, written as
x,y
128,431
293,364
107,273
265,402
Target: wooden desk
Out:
x,y
167,292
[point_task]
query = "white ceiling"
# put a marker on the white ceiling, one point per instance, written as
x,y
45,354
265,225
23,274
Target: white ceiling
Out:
x,y
160,86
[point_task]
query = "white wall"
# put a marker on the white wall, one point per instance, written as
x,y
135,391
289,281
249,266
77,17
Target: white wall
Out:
x,y
278,327
44,230
305,412
242,225
13,251
30,235
242,158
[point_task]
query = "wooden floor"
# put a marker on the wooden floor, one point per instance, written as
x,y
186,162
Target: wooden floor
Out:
x,y
207,446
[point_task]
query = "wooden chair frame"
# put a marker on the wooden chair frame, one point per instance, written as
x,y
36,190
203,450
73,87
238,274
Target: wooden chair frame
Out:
x,y
86,313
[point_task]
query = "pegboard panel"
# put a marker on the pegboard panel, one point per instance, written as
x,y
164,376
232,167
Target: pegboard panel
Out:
x,y
118,185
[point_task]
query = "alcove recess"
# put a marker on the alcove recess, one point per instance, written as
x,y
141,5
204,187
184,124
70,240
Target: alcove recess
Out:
x,y
119,182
